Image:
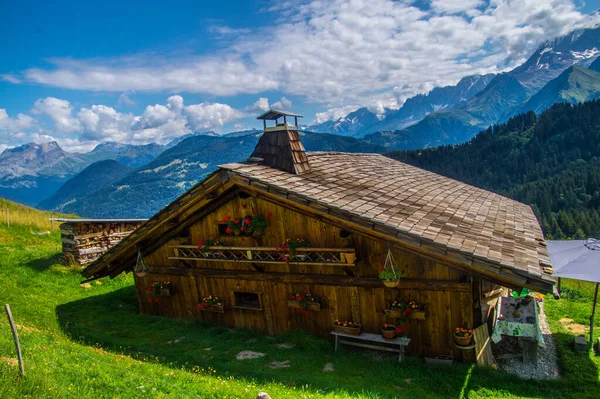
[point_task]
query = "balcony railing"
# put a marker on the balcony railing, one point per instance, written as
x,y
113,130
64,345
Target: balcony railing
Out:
x,y
269,255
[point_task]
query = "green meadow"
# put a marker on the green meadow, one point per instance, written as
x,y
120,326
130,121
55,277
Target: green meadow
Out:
x,y
92,343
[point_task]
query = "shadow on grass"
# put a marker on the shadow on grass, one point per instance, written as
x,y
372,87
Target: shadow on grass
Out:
x,y
113,322
43,264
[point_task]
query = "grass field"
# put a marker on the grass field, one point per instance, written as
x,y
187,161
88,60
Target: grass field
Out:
x,y
92,343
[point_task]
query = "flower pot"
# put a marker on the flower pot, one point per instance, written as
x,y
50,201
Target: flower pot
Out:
x,y
293,304
347,330
391,284
313,306
350,257
141,274
462,341
167,291
389,333
417,315
393,313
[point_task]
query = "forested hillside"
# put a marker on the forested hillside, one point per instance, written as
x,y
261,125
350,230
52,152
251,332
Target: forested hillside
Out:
x,y
551,162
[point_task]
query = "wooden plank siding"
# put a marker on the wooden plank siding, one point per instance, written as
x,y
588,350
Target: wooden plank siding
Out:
x,y
446,291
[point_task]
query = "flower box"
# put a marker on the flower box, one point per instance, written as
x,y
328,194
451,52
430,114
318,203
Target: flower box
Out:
x,y
348,330
394,313
313,306
418,315
214,309
167,291
439,360
293,304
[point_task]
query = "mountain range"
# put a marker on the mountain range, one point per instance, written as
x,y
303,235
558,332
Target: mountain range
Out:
x,y
453,114
147,189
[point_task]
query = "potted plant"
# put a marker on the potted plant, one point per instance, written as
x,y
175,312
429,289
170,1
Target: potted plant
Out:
x,y
347,327
160,288
390,277
211,304
388,331
304,303
250,225
462,336
289,247
204,246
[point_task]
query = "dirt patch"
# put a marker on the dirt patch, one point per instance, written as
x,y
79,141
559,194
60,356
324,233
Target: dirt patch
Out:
x,y
328,368
10,361
245,355
279,365
575,328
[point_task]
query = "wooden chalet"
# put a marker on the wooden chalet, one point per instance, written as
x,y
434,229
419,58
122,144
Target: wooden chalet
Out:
x,y
457,245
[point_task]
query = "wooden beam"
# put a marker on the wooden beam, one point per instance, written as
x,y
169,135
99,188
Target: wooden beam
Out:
x,y
316,279
166,237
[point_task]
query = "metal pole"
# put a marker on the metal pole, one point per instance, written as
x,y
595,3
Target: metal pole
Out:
x,y
592,317
16,338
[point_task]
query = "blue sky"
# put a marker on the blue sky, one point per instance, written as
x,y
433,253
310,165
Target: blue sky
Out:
x,y
132,71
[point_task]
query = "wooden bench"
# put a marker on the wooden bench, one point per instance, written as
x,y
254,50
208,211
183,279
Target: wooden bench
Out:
x,y
374,339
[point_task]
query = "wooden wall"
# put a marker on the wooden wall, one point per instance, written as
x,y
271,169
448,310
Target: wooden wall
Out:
x,y
449,301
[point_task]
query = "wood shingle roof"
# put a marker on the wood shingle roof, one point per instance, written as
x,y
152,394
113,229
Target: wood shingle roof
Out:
x,y
417,204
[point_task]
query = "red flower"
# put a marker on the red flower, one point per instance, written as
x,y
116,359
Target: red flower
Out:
x,y
228,218
202,241
247,220
306,313
199,307
242,228
287,261
228,230
300,298
291,297
382,269
276,248
236,221
224,220
400,329
211,308
299,310
149,300
150,289
156,300
269,214
253,211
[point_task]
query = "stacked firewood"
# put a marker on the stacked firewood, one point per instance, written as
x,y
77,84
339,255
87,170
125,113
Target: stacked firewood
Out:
x,y
83,242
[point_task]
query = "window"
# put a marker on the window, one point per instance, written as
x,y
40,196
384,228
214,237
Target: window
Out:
x,y
222,229
247,300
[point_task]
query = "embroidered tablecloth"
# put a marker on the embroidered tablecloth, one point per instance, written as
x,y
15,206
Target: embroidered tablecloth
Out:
x,y
517,317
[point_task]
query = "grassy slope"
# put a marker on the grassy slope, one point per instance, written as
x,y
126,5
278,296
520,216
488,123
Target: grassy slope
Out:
x,y
92,342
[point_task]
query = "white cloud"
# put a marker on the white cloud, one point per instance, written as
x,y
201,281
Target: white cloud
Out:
x,y
8,77
454,6
60,111
207,116
12,125
261,105
334,114
283,104
339,52
124,99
